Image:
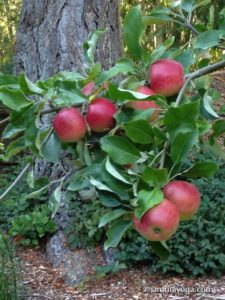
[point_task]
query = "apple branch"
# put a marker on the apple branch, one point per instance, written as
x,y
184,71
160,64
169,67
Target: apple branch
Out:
x,y
196,74
15,181
56,109
4,121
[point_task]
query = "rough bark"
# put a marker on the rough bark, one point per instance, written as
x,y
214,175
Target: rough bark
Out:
x,y
51,34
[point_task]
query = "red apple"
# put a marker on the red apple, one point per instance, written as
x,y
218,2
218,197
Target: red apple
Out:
x,y
100,115
166,77
69,125
185,196
144,104
88,88
159,223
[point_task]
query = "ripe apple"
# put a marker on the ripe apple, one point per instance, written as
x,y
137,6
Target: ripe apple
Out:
x,y
144,104
166,77
100,115
88,88
69,125
185,196
159,223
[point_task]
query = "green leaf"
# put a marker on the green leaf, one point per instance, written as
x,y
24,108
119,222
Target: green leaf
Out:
x,y
15,147
122,66
100,186
209,39
6,79
182,144
155,19
109,217
160,248
188,5
182,118
207,107
133,30
68,93
155,177
30,178
116,232
55,201
146,200
202,169
139,132
36,194
120,149
113,172
160,50
10,131
28,87
78,182
90,46
14,99
51,149
72,76
218,128
109,199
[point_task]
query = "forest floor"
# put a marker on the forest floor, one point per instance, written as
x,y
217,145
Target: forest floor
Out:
x,y
42,281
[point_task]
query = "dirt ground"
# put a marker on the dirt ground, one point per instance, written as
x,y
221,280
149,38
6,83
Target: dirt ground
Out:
x,y
42,281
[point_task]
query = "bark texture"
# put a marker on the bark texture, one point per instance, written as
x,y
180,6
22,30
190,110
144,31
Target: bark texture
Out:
x,y
51,34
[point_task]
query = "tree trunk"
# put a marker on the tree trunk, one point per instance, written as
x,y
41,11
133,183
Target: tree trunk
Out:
x,y
51,34
50,39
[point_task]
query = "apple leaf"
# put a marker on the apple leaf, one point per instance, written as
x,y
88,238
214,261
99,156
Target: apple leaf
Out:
x,y
202,169
108,199
55,201
10,131
116,232
155,177
133,31
14,99
113,172
160,248
120,149
123,66
51,149
139,131
9,80
90,46
146,200
160,50
182,144
109,217
28,87
181,118
15,147
218,128
209,39
99,185
206,107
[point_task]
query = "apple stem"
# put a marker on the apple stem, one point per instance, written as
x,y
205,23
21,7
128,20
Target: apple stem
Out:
x,y
15,181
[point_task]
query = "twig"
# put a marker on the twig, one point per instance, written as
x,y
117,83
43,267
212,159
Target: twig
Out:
x,y
4,121
55,109
15,181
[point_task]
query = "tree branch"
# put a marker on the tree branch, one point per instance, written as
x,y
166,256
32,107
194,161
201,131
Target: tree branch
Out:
x,y
196,74
15,181
4,121
56,109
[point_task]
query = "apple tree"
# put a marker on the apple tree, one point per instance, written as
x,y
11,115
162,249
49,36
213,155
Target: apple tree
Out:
x,y
129,128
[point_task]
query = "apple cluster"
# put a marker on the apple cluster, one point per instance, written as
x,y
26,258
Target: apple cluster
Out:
x,y
166,78
181,201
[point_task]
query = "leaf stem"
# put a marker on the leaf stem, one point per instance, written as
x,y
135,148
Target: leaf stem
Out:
x,y
15,181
